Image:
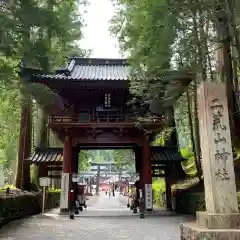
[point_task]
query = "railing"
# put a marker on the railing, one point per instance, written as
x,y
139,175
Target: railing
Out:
x,y
91,119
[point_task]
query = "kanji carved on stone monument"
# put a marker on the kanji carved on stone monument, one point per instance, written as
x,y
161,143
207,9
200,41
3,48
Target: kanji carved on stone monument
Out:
x,y
219,129
217,110
222,174
219,139
221,156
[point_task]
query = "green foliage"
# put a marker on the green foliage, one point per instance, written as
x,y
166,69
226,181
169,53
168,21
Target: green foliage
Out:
x,y
8,186
159,35
124,159
83,161
88,156
42,34
163,137
142,29
146,31
9,126
158,187
189,164
54,190
101,156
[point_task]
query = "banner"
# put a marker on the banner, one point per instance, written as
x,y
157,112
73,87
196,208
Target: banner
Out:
x,y
148,196
64,191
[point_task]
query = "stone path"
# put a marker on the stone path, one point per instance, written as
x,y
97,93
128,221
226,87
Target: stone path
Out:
x,y
108,203
90,227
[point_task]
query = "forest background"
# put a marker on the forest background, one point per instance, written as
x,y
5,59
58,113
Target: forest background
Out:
x,y
201,36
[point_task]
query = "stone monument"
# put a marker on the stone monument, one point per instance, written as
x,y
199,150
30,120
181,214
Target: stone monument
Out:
x,y
221,219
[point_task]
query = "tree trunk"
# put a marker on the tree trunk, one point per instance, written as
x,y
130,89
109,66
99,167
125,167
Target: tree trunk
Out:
x,y
196,157
196,129
202,39
201,56
42,132
234,32
225,69
25,140
173,138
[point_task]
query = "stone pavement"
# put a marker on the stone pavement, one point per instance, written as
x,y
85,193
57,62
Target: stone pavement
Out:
x,y
91,227
108,203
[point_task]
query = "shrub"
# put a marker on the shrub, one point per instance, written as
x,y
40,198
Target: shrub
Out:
x,y
25,205
16,207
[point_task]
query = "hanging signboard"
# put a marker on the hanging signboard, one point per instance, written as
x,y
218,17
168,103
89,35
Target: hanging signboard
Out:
x,y
64,191
44,181
148,197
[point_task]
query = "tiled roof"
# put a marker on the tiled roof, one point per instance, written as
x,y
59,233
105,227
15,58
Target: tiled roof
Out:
x,y
165,154
91,69
48,155
159,155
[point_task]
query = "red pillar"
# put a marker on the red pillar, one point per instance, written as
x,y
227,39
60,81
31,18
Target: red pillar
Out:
x,y
141,172
139,164
147,166
67,154
74,160
147,175
66,174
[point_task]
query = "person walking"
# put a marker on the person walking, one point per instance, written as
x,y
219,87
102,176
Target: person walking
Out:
x,y
113,192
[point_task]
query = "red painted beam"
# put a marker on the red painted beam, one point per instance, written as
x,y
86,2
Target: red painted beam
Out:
x,y
76,125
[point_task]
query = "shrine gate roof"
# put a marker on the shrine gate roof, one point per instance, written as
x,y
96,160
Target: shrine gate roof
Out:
x,y
91,69
47,155
160,155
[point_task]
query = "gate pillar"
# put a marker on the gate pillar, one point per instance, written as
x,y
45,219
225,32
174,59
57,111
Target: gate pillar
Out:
x,y
137,152
74,160
141,170
147,175
66,174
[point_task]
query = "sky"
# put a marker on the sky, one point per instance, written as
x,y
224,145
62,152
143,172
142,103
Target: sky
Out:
x,y
96,34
